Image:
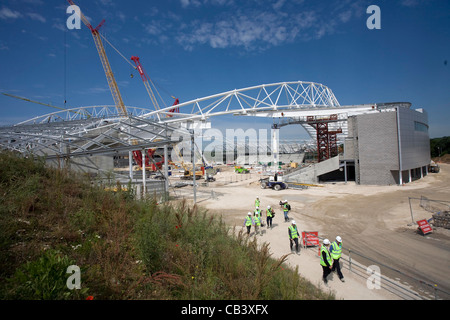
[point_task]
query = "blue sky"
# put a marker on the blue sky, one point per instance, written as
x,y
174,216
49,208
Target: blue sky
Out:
x,y
195,48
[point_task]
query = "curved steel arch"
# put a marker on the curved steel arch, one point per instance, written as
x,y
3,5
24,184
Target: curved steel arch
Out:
x,y
84,113
298,95
88,124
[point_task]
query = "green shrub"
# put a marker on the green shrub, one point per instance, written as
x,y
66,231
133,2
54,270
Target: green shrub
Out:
x,y
43,279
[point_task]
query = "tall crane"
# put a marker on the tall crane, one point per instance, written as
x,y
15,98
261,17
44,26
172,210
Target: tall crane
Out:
x,y
106,66
146,81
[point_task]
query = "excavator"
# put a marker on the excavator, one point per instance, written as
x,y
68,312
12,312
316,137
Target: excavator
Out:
x,y
188,172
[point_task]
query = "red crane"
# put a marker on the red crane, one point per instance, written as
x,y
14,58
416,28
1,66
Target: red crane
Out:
x,y
137,154
148,87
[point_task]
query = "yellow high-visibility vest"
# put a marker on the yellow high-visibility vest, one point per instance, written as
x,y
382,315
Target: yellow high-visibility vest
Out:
x,y
322,262
294,233
336,250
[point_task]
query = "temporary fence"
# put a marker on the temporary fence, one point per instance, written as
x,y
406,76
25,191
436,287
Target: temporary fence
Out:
x,y
393,286
423,206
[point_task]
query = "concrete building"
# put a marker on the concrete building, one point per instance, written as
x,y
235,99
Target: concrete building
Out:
x,y
391,146
386,145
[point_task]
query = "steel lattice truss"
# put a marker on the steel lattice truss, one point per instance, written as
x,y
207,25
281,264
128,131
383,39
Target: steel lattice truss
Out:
x,y
85,132
281,96
104,129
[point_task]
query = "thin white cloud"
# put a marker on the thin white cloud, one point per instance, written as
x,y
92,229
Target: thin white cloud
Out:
x,y
410,3
106,2
36,16
198,3
6,13
257,26
277,5
258,31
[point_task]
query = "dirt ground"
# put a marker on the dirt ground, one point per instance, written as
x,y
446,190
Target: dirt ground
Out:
x,y
375,221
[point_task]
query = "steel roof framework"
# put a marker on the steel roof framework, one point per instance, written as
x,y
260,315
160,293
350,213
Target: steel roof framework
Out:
x,y
89,130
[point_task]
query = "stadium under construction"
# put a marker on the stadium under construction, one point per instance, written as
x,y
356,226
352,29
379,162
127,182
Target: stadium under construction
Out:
x,y
376,143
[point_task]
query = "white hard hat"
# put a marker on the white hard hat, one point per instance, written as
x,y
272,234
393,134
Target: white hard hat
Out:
x,y
338,239
257,207
268,207
249,213
326,241
293,222
257,197
285,200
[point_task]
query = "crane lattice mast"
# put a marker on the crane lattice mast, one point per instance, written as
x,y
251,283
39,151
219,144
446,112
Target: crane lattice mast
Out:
x,y
105,63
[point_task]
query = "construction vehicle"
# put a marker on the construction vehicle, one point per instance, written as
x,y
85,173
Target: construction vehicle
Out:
x,y
274,182
154,166
434,167
188,172
239,169
121,109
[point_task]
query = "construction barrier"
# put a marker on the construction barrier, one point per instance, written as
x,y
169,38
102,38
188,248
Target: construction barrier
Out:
x,y
424,226
310,238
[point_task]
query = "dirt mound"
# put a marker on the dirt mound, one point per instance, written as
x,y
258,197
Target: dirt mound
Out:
x,y
444,159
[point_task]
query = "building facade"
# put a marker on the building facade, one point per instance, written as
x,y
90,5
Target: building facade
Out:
x,y
391,146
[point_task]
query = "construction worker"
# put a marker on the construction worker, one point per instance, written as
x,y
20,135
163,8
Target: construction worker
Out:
x,y
257,211
248,222
257,202
293,236
335,252
286,207
325,260
257,220
270,214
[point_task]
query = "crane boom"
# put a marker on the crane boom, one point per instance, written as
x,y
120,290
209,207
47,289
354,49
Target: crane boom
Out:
x,y
144,77
105,63
148,87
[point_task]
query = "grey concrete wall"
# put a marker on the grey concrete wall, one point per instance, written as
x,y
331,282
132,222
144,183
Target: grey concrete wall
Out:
x,y
415,143
374,144
311,173
378,148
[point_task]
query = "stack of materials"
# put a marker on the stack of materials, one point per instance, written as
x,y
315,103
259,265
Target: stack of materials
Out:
x,y
442,219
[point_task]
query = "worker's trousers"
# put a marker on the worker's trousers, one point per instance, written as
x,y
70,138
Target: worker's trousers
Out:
x,y
296,244
337,267
269,222
286,218
326,272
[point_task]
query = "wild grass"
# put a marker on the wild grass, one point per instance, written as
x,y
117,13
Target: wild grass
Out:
x,y
126,248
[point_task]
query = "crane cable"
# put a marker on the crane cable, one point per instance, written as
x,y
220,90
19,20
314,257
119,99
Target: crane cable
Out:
x,y
117,50
134,67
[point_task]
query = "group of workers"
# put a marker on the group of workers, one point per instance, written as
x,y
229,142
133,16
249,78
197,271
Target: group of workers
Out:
x,y
255,219
330,253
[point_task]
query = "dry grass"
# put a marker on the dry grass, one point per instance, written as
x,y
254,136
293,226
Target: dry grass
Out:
x,y
126,249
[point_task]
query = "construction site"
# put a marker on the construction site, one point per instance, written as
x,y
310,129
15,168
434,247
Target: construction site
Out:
x,y
365,174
